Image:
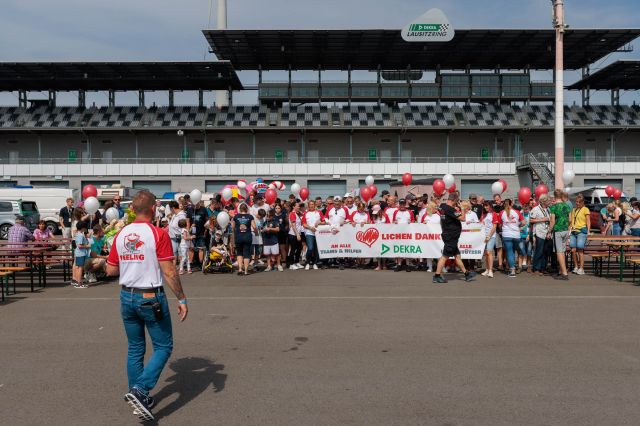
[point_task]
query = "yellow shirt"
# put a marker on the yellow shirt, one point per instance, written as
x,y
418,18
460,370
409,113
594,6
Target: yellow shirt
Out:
x,y
579,218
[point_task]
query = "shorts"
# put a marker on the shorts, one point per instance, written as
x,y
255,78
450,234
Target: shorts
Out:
x,y
273,250
200,243
498,240
491,244
80,260
243,248
578,240
450,248
560,240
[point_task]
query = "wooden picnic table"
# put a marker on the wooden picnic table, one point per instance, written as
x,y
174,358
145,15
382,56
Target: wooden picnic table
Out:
x,y
32,256
620,245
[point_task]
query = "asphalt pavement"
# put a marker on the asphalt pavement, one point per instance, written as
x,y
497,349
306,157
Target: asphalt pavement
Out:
x,y
337,348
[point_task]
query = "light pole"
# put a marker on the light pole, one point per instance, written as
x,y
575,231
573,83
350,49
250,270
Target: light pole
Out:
x,y
559,25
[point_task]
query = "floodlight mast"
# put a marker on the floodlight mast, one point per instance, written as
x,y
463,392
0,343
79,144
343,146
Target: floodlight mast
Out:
x,y
559,25
222,96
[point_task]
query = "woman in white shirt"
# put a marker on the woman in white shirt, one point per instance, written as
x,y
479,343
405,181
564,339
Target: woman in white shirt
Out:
x,y
430,216
512,223
310,221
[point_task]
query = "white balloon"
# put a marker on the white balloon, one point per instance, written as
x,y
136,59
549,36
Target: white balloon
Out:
x,y
227,193
369,180
497,188
449,180
568,176
196,196
295,189
223,220
242,184
91,205
111,214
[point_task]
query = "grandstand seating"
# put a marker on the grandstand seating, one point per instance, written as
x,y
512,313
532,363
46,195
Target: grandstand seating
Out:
x,y
318,116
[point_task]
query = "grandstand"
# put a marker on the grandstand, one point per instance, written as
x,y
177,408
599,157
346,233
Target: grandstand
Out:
x,y
468,107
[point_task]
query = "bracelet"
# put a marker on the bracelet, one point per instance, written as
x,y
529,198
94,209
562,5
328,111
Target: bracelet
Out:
x,y
182,302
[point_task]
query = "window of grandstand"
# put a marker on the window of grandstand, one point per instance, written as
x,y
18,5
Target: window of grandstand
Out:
x,y
324,188
50,183
8,183
156,187
478,187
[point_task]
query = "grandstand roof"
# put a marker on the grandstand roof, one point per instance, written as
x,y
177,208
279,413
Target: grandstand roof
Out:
x,y
366,49
624,75
118,76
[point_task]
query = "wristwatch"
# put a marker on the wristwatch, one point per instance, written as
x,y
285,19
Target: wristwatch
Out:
x,y
183,301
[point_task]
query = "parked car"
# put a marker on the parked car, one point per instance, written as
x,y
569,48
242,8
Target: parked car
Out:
x,y
10,209
595,199
48,200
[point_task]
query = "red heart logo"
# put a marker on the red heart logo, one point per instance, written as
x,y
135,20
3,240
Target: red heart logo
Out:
x,y
368,237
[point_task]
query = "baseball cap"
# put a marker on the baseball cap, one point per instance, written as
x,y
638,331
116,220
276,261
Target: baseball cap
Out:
x,y
410,197
218,233
337,197
19,218
348,194
472,196
375,209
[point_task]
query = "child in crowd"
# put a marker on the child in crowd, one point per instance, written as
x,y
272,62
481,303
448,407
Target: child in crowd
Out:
x,y
256,247
81,253
270,241
185,244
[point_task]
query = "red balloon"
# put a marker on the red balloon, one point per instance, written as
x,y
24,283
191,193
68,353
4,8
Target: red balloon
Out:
x,y
304,194
365,194
374,190
524,195
439,186
541,189
504,185
407,178
89,191
270,196
452,189
609,190
617,193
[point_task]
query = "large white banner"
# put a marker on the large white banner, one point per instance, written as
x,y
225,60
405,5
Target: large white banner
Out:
x,y
415,240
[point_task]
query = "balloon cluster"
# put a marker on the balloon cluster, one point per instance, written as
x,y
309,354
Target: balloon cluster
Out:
x,y
613,192
91,203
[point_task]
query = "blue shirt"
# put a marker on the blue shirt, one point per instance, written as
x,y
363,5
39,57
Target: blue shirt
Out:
x,y
81,240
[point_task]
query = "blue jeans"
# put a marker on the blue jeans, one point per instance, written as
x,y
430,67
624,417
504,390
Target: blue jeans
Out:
x,y
137,314
312,249
635,232
540,256
510,245
615,229
524,247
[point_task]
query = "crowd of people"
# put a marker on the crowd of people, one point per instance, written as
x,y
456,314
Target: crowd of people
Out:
x,y
533,237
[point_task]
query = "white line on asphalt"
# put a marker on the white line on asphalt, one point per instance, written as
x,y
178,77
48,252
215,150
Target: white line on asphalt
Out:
x,y
354,298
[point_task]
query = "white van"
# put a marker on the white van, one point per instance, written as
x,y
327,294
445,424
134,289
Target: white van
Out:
x,y
48,200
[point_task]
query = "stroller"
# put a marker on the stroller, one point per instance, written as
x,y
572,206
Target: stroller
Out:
x,y
217,263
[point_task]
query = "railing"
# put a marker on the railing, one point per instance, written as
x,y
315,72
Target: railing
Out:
x,y
523,160
249,160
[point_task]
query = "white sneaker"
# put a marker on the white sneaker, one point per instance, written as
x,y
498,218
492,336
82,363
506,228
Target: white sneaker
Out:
x,y
580,271
490,274
485,273
92,278
260,262
306,268
293,267
298,266
268,269
315,266
445,270
430,270
575,270
280,268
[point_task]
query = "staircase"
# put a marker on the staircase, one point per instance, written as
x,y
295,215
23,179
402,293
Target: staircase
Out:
x,y
540,168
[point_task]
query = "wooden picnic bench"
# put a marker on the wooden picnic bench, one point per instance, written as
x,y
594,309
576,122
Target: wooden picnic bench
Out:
x,y
606,247
4,283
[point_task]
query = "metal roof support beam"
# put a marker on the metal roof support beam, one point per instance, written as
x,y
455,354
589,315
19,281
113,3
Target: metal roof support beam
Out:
x,y
409,84
52,98
171,98
615,97
112,98
22,98
141,98
82,98
319,83
200,98
379,72
349,85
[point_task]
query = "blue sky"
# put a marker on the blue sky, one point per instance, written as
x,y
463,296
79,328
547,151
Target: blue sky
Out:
x,y
86,30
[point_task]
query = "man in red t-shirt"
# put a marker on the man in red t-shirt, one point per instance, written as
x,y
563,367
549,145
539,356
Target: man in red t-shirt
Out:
x,y
142,255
